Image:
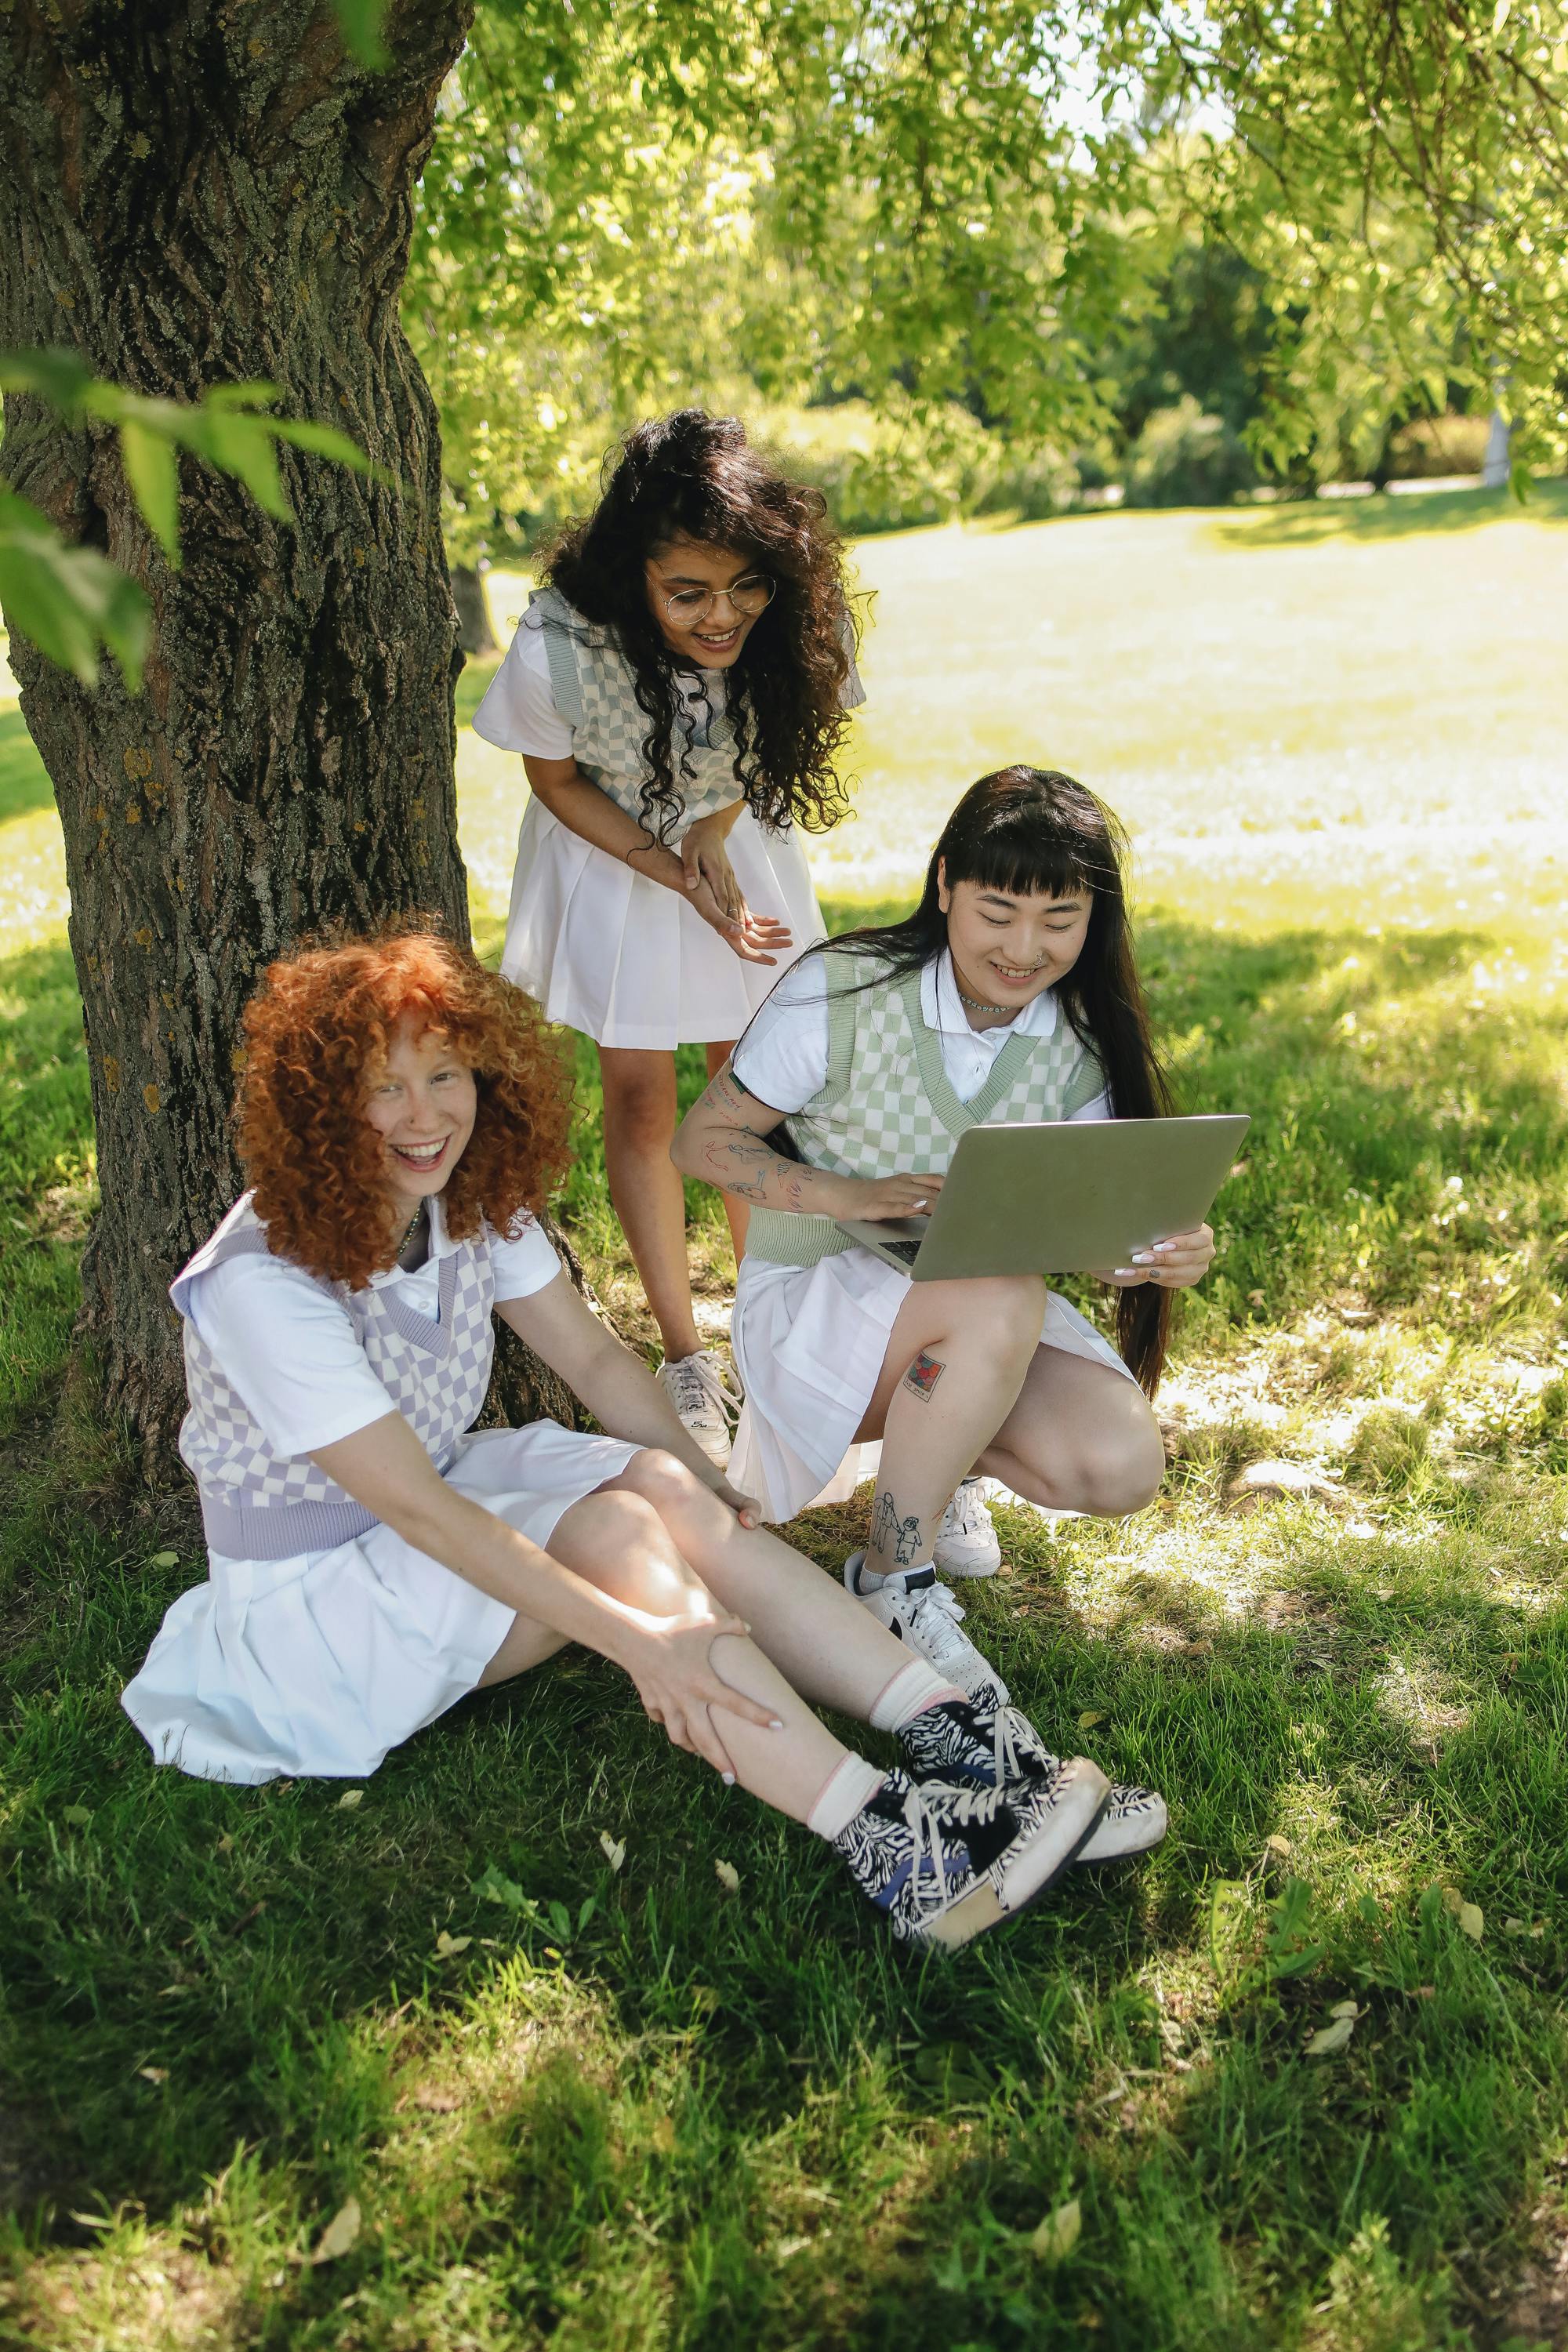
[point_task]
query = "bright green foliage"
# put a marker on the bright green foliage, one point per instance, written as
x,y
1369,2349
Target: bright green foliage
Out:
x,y
71,601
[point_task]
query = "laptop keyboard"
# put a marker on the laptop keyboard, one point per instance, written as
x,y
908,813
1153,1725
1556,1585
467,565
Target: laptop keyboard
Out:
x,y
905,1252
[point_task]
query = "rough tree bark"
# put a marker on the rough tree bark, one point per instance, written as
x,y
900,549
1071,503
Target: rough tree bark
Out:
x,y
199,192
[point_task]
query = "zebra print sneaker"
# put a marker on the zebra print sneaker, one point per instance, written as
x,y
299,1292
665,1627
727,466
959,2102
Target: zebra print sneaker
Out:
x,y
985,1744
944,1864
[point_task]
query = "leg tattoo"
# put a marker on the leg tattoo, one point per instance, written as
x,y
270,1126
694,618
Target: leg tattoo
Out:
x,y
924,1373
891,1534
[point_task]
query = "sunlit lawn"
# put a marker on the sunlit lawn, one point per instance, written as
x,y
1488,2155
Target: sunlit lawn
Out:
x,y
631,2110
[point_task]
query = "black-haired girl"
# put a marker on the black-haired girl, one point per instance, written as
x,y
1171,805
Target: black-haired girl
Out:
x,y
677,689
1009,994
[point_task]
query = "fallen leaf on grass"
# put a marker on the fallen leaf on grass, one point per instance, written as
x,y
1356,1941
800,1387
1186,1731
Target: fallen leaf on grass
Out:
x,y
449,1947
1055,2238
78,1816
728,1876
436,2101
1087,1722
340,2235
1278,1844
165,1560
224,1844
615,1849
154,2074
350,1800
1470,1921
1330,2040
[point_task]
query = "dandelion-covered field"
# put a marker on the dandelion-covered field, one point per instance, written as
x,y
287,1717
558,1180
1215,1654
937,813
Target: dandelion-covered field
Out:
x,y
491,2055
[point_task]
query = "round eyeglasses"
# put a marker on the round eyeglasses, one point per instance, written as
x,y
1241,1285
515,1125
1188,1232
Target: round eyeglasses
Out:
x,y
746,598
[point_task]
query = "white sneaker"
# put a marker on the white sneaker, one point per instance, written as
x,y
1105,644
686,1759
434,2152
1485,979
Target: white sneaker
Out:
x,y
706,1397
924,1615
967,1541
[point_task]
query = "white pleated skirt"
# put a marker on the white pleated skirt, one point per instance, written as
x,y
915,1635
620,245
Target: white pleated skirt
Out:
x,y
321,1664
809,1344
602,949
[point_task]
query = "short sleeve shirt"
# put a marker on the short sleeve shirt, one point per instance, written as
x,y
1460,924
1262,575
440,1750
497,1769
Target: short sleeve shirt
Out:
x,y
291,1350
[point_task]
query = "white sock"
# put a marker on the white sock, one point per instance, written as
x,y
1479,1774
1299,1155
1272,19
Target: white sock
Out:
x,y
912,1689
848,1790
870,1582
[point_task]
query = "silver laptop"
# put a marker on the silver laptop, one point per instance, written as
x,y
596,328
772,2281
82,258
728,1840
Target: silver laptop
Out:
x,y
1060,1197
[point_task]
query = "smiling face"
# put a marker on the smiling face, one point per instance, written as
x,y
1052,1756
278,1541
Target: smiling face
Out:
x,y
423,1102
694,569
1009,946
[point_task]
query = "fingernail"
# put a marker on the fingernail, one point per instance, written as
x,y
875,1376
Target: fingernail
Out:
x,y
776,1724
729,1779
1125,1273
1143,1258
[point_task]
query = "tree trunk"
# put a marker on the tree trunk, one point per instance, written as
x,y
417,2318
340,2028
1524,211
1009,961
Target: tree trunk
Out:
x,y
196,194
474,632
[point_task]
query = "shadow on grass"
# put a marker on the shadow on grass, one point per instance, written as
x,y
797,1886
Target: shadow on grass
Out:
x,y
1400,515
191,1967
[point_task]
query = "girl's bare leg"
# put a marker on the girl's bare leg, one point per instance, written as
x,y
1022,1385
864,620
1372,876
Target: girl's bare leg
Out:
x,y
616,1540
736,1210
645,1188
829,1648
1079,1438
956,1360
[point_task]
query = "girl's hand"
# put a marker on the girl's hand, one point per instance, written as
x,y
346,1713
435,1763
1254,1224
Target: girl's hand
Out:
x,y
748,936
747,1507
706,859
889,1196
1172,1265
671,1664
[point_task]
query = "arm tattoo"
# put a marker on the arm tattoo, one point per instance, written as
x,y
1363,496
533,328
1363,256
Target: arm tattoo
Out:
x,y
924,1373
891,1534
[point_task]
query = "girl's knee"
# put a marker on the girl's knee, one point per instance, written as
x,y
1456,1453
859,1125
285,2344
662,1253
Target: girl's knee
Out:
x,y
663,1482
1008,1310
1126,1477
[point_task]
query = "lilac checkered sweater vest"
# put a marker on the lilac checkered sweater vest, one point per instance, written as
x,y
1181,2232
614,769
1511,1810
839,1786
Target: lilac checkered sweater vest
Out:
x,y
258,1505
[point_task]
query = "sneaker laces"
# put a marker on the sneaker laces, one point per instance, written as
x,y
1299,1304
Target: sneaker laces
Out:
x,y
699,1385
966,1514
933,1616
961,1808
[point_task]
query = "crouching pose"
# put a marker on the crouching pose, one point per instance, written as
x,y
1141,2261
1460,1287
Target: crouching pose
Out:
x,y
371,1561
1010,994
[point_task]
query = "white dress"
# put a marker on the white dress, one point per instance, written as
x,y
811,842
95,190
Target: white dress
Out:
x,y
809,1341
597,945
321,1663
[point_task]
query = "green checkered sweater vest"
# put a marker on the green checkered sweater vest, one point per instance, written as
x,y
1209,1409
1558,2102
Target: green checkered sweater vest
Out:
x,y
594,689
889,1106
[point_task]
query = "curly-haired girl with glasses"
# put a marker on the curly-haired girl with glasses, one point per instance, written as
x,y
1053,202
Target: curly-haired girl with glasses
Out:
x,y
677,689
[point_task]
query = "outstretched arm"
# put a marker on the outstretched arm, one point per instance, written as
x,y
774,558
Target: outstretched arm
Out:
x,y
723,1140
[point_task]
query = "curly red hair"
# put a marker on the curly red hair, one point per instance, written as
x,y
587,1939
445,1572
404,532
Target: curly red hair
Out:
x,y
316,1031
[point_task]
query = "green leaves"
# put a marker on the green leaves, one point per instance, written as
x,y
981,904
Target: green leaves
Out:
x,y
72,602
361,22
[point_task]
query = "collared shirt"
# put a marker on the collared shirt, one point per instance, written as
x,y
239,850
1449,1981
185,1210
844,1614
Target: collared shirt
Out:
x,y
783,1058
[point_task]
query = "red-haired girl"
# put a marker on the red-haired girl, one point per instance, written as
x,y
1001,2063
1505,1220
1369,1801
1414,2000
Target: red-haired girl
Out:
x,y
371,1561
677,689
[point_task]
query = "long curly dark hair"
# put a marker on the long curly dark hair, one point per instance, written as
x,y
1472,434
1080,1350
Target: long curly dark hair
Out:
x,y
315,1032
1033,829
692,476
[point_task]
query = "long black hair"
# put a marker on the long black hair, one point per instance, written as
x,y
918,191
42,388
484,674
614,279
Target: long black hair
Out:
x,y
692,476
1025,830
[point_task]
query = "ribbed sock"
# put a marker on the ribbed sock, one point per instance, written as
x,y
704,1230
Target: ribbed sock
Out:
x,y
912,1689
848,1790
902,1577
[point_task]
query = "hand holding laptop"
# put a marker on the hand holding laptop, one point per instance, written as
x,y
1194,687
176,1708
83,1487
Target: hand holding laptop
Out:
x,y
1174,1264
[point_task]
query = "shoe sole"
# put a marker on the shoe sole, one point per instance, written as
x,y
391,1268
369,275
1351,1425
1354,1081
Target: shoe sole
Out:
x,y
966,1568
1144,1844
1059,1843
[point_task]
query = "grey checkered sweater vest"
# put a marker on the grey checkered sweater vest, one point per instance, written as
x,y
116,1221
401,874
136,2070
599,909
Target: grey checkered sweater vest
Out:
x,y
593,686
889,1106
258,1505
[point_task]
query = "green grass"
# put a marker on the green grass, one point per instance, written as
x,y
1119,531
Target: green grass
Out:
x,y
629,2110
